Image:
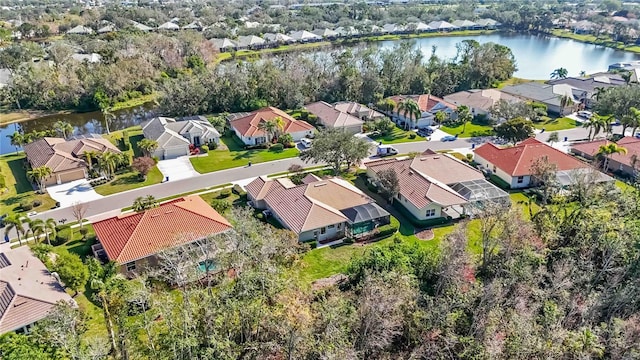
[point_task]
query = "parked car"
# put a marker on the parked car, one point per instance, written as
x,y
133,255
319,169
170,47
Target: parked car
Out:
x,y
585,114
638,136
306,143
424,132
386,150
448,138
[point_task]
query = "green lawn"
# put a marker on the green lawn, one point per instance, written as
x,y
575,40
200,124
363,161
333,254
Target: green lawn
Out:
x,y
557,124
236,156
604,40
398,136
17,188
471,130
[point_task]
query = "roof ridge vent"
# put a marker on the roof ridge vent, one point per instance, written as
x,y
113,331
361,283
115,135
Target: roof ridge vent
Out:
x,y
321,184
168,211
155,215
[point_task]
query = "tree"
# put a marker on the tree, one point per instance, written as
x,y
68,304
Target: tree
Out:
x,y
336,147
89,157
148,146
39,175
631,120
464,116
596,124
144,203
14,221
63,128
17,140
607,150
271,128
79,210
565,100
50,230
388,183
515,130
506,110
440,117
37,228
64,328
15,346
143,165
72,271
108,117
554,137
384,126
559,73
107,162
411,112
221,206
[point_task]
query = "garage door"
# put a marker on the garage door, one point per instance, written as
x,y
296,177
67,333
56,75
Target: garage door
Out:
x,y
173,153
72,175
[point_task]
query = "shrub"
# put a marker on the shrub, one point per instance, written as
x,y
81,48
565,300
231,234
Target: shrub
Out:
x,y
348,241
313,244
205,149
276,147
221,206
26,206
237,189
224,193
469,157
36,203
156,159
2,181
213,145
83,231
412,135
260,216
389,229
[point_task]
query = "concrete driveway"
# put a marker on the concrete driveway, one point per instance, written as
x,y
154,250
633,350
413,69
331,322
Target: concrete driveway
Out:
x,y
177,169
75,191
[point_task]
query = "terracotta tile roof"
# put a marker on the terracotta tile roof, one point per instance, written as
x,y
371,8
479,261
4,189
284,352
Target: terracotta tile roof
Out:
x,y
590,147
517,160
632,145
135,236
248,125
61,155
480,99
426,102
311,205
418,188
331,117
28,292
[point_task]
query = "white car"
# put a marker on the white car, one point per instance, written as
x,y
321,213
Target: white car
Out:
x,y
306,143
585,114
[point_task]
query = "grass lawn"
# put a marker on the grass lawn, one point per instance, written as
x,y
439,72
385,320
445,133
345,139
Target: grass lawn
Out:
x,y
557,124
623,185
398,136
472,130
516,81
236,156
128,180
17,187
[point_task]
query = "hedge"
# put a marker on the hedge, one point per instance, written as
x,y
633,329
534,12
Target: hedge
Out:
x,y
389,229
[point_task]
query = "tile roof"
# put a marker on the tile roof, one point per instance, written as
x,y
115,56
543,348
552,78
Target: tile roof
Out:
x,y
248,125
426,102
168,132
130,237
332,117
445,168
28,292
60,155
479,99
632,145
356,109
517,160
417,187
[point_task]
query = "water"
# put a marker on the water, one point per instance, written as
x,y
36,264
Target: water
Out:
x,y
536,57
83,123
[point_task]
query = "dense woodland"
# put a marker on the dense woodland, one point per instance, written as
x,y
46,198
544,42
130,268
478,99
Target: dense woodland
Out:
x,y
561,286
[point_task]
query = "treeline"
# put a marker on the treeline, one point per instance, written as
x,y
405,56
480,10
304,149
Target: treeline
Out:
x,y
363,75
561,286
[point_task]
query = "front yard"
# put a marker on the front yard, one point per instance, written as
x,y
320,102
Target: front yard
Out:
x,y
562,123
236,156
398,135
15,188
471,130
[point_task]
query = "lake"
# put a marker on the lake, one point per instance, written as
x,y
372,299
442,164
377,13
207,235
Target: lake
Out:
x,y
536,56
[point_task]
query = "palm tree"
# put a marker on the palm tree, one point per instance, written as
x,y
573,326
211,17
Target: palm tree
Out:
x,y
599,92
107,163
106,282
440,117
14,221
583,73
279,126
626,76
411,111
39,175
36,227
17,140
51,229
559,73
606,150
269,127
553,137
632,120
565,100
108,116
148,146
596,124
63,127
144,203
464,115
89,157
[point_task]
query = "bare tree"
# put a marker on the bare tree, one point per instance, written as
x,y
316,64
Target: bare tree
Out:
x,y
79,210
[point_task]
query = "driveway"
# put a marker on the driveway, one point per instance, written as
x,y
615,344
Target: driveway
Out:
x,y
75,191
177,169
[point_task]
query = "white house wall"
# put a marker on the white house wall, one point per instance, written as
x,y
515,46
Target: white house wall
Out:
x,y
420,214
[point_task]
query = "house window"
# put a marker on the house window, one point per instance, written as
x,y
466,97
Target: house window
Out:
x,y
131,266
520,179
323,231
431,212
331,226
260,140
339,226
494,168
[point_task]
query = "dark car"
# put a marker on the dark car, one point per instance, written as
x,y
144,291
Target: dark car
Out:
x,y
424,132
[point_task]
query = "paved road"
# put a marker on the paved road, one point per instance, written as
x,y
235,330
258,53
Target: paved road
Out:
x,y
111,204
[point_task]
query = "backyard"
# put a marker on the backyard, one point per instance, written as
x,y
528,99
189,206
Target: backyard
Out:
x,y
236,156
562,123
398,136
15,188
472,129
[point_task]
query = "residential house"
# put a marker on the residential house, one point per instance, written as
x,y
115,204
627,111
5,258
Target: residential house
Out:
x,y
250,42
28,291
330,117
428,104
5,77
546,94
175,136
434,185
466,25
278,38
169,26
347,31
514,164
133,240
321,210
585,89
626,164
442,26
65,158
326,33
488,24
419,27
582,27
304,36
80,30
358,110
92,58
140,27
479,101
108,28
224,44
247,126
